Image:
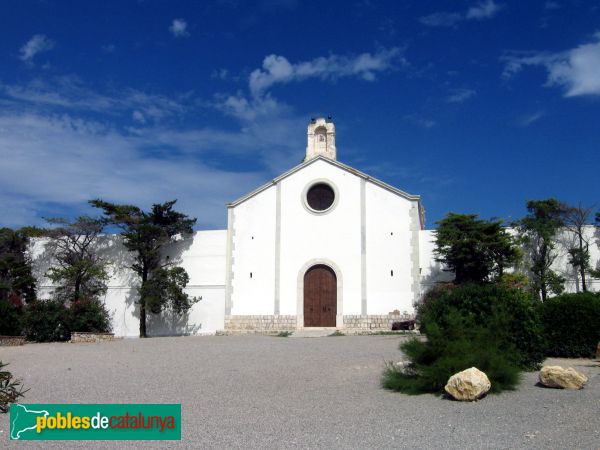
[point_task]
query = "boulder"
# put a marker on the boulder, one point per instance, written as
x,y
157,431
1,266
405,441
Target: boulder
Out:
x,y
468,385
559,377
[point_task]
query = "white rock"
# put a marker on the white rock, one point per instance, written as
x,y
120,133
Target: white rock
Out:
x,y
468,385
559,377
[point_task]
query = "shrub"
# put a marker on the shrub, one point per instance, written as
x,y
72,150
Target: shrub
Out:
x,y
571,324
11,317
493,327
51,320
10,389
88,315
509,312
47,320
336,333
460,344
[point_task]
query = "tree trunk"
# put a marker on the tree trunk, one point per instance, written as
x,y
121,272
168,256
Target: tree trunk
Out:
x,y
143,306
582,266
543,287
77,289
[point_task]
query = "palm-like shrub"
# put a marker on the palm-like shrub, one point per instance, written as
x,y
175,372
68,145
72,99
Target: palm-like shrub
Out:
x,y
489,326
10,389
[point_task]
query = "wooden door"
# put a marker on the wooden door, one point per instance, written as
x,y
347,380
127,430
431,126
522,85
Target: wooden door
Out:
x,y
320,297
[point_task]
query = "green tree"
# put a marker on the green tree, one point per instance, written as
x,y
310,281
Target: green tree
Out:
x,y
80,272
538,230
146,234
15,266
576,218
475,250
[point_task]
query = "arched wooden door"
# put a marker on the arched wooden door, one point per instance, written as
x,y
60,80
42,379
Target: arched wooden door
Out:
x,y
320,297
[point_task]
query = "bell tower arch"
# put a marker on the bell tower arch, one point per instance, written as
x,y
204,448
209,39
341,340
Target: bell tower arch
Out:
x,y
321,139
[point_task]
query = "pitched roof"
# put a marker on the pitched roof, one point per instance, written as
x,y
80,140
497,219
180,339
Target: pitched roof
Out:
x,y
342,166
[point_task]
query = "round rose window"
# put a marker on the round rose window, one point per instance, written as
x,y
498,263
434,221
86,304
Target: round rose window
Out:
x,y
320,197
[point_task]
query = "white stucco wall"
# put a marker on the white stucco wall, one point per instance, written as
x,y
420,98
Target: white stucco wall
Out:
x,y
432,272
332,237
253,252
389,248
203,257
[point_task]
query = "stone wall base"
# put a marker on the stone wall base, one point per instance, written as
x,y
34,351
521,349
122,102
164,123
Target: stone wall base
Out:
x,y
10,341
373,323
259,324
81,336
271,324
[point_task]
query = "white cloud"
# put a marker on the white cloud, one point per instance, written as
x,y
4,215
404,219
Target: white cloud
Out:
x,y
138,116
277,69
55,156
528,119
483,10
460,95
67,160
420,121
576,70
249,110
69,92
179,28
37,44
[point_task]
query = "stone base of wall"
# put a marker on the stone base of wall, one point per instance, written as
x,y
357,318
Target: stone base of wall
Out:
x,y
259,324
270,324
81,336
359,324
10,341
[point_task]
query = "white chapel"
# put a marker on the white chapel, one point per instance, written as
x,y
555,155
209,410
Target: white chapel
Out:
x,y
321,244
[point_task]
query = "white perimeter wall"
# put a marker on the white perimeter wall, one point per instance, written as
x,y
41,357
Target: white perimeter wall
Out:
x,y
203,257
432,271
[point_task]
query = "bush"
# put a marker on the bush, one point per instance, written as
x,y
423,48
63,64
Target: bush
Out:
x,y
11,317
10,389
51,320
571,324
88,315
463,344
47,320
493,327
509,312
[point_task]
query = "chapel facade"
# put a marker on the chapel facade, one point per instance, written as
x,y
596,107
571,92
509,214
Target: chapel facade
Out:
x,y
322,245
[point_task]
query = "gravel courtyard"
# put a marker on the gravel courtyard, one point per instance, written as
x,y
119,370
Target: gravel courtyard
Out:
x,y
269,392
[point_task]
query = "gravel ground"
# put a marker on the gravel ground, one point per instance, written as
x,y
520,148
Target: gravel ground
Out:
x,y
268,392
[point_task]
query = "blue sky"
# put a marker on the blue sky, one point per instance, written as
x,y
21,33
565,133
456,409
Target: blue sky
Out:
x,y
478,106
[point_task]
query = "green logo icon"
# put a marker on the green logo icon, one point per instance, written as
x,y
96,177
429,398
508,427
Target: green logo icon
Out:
x,y
95,421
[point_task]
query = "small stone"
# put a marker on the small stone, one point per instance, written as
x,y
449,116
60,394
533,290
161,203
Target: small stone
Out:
x,y
559,377
468,385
